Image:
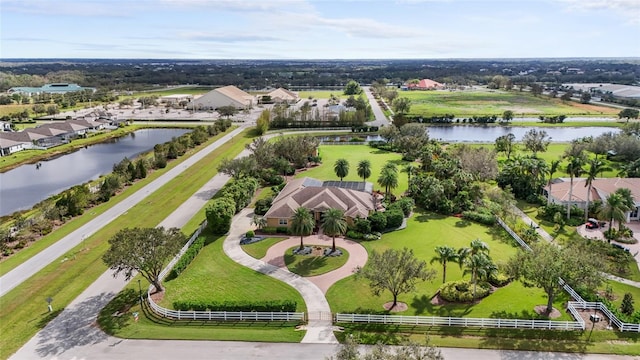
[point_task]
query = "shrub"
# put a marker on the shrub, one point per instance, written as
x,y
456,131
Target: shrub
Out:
x,y
363,226
269,230
479,217
258,306
394,218
250,234
355,235
406,204
462,291
188,256
499,279
373,236
378,221
262,206
282,230
219,215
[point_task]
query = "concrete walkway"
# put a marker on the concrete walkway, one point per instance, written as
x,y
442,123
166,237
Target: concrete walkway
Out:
x,y
357,258
319,328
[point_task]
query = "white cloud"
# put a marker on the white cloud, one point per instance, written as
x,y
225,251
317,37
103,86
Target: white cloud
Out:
x,y
69,7
226,37
629,9
238,5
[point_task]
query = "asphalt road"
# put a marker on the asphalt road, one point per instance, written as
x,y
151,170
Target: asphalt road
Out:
x,y
381,119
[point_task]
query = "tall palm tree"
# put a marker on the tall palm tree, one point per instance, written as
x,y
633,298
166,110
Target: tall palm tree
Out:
x,y
341,167
444,255
574,169
388,178
478,247
334,224
614,209
364,169
302,224
480,266
410,169
595,166
555,164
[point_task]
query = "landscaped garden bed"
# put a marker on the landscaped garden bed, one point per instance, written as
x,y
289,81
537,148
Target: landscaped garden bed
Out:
x,y
314,260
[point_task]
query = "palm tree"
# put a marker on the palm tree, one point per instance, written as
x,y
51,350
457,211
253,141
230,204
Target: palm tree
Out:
x,y
574,169
341,167
388,178
478,246
364,169
410,169
444,255
555,164
259,221
595,166
334,224
480,266
614,209
302,224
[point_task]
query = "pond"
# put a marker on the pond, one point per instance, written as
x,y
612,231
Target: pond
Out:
x,y
488,134
23,187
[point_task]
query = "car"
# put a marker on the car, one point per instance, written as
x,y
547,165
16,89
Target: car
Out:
x,y
594,224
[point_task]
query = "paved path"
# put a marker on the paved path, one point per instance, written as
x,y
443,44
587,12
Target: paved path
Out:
x,y
30,267
357,258
381,119
319,330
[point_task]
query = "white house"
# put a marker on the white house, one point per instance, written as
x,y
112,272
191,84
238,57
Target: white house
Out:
x,y
282,95
224,96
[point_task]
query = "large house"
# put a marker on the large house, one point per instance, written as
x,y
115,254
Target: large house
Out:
x,y
424,84
355,198
282,95
224,96
600,190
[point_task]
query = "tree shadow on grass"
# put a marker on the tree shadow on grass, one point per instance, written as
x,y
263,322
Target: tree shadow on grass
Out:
x,y
462,223
499,234
115,315
536,340
424,307
306,266
426,216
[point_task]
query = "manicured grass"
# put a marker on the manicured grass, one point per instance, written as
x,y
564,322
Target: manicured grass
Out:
x,y
321,94
619,290
353,154
424,232
23,255
259,249
604,341
22,312
212,276
310,265
495,102
151,326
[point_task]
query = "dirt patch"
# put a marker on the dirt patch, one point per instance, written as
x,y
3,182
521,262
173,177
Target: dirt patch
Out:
x,y
542,310
157,296
602,324
400,307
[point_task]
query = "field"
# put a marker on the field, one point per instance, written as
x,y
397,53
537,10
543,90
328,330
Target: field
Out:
x,y
353,154
11,109
424,232
495,102
304,95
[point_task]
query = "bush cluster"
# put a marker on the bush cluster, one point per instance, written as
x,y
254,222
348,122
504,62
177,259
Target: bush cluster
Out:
x,y
481,217
272,230
262,206
258,306
233,197
187,258
462,291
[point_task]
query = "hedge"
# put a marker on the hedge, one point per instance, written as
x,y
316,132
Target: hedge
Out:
x,y
479,217
258,306
462,291
188,256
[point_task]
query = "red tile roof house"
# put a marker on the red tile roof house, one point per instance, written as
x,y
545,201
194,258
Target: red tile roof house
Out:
x,y
425,84
600,190
319,196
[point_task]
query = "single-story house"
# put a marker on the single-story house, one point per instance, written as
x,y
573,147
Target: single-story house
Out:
x,y
424,84
176,98
224,96
282,95
5,126
8,146
355,198
600,190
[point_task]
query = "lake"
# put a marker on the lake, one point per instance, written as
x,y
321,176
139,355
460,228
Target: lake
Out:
x,y
23,187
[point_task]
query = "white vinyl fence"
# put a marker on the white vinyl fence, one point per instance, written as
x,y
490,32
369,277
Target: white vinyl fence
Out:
x,y
213,315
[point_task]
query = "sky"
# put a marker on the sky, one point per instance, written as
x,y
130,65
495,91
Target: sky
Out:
x,y
319,29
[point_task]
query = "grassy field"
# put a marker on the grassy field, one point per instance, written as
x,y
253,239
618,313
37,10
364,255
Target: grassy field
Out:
x,y
212,276
321,94
14,108
424,232
259,249
310,265
22,312
495,102
353,154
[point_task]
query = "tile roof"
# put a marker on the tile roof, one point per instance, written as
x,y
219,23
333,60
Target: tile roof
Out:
x,y
601,188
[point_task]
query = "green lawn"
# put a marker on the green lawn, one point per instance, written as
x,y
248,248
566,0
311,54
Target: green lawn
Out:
x,y
259,249
321,94
22,312
212,276
151,326
424,232
619,290
353,154
310,265
495,102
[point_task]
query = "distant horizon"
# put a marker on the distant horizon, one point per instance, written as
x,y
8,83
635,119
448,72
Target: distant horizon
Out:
x,y
319,29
